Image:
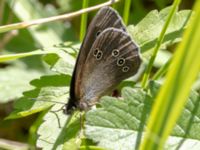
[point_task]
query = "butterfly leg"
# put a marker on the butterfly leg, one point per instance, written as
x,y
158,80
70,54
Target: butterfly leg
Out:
x,y
59,124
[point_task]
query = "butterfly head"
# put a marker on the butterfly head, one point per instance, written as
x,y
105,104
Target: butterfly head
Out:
x,y
82,105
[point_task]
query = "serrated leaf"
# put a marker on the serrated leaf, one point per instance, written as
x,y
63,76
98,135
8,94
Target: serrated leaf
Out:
x,y
14,80
116,124
189,121
146,32
49,90
59,131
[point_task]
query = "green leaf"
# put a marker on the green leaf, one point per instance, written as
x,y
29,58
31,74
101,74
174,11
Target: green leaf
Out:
x,y
91,148
14,80
63,62
116,123
48,91
89,144
146,32
60,57
189,121
58,131
51,92
162,57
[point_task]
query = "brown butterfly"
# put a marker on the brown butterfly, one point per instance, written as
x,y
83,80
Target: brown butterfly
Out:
x,y
106,57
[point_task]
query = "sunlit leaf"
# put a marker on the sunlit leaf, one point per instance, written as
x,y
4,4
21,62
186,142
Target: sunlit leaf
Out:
x,y
48,90
116,124
14,80
146,32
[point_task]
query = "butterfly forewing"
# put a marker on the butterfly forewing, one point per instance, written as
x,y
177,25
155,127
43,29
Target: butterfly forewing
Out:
x,y
112,58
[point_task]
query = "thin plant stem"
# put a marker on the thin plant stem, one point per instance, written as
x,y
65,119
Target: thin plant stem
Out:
x,y
26,24
9,57
126,13
84,20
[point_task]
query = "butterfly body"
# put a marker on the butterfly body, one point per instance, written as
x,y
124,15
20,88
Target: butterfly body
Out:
x,y
107,56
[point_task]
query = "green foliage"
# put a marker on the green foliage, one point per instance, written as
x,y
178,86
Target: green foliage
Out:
x,y
64,132
26,10
63,61
188,123
116,123
48,90
146,32
14,80
176,88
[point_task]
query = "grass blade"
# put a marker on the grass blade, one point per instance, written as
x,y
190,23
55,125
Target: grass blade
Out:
x,y
127,6
174,93
159,42
10,57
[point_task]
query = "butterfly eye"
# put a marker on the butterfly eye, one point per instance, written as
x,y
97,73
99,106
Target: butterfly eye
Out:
x,y
115,52
96,51
98,32
125,69
99,55
120,61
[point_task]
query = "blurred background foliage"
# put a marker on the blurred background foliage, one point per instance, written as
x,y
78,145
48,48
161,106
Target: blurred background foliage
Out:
x,y
15,75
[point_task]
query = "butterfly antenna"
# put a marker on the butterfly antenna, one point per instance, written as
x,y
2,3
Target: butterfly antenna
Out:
x,y
59,124
56,102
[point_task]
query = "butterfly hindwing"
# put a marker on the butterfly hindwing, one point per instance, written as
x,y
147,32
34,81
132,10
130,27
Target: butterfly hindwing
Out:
x,y
112,58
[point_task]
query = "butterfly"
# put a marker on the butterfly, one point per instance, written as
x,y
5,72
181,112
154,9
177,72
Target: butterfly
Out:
x,y
107,56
